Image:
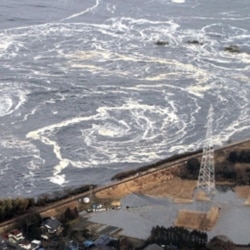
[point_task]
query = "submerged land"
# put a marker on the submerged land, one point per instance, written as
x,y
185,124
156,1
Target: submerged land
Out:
x,y
177,183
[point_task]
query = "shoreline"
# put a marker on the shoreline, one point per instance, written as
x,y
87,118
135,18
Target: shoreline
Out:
x,y
158,172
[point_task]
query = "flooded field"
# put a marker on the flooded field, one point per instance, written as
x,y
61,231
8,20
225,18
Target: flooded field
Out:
x,y
139,213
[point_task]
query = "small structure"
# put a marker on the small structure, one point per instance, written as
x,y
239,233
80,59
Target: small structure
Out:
x,y
115,204
25,245
52,226
103,240
35,244
86,200
44,237
88,243
15,236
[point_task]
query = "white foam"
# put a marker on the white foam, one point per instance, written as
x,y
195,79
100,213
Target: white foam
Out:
x,y
108,132
12,97
4,44
83,12
198,90
176,78
178,1
58,179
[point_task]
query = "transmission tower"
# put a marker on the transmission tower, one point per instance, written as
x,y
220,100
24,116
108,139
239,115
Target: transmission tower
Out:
x,y
206,178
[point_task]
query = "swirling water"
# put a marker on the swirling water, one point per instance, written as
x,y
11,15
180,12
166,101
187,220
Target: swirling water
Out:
x,y
86,92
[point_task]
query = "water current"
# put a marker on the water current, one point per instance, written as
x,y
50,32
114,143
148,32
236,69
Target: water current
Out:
x,y
86,91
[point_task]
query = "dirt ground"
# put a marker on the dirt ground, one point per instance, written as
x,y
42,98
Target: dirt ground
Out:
x,y
162,184
197,220
176,189
243,192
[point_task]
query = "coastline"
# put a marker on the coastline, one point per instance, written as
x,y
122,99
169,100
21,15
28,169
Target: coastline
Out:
x,y
148,180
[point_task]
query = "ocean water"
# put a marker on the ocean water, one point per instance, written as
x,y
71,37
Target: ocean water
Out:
x,y
85,91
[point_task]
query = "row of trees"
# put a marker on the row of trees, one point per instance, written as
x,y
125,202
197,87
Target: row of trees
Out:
x,y
225,170
10,208
242,156
179,237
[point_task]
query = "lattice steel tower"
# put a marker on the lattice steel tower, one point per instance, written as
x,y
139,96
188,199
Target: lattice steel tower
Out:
x,y
206,178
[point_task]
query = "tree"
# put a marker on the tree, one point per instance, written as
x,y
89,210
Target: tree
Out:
x,y
220,243
193,165
31,225
178,236
69,214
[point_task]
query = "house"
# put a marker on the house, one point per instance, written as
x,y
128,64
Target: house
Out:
x,y
25,245
44,237
88,243
103,240
52,226
35,244
15,236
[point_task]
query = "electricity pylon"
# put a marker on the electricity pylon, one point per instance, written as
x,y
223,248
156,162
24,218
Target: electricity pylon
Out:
x,y
206,178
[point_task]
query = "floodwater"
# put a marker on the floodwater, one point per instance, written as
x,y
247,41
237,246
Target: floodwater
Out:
x,y
139,213
86,92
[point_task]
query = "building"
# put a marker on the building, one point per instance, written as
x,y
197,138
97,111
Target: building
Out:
x,y
15,236
52,226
